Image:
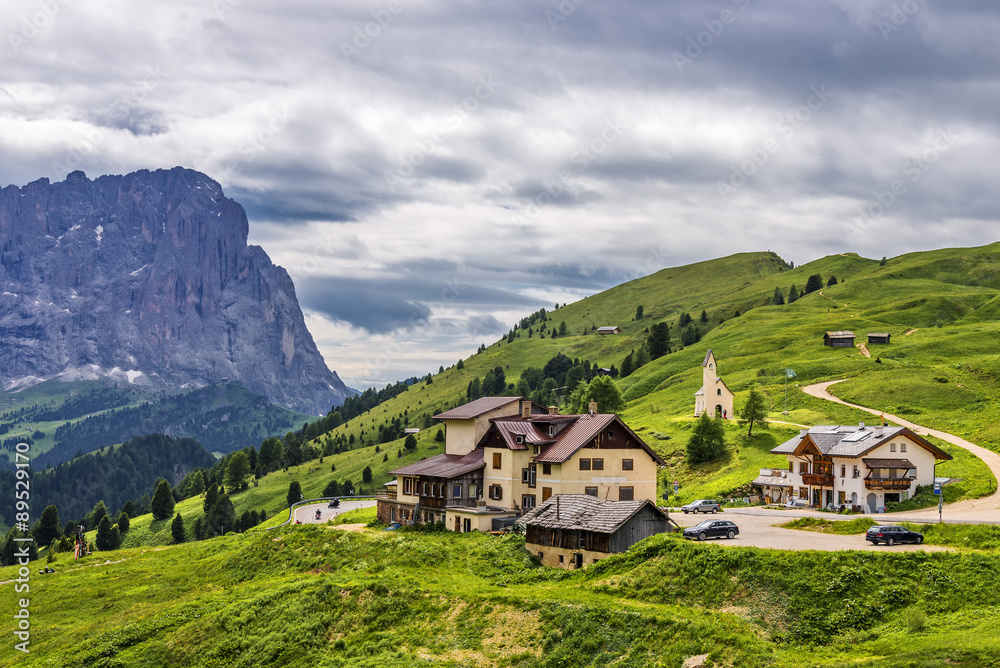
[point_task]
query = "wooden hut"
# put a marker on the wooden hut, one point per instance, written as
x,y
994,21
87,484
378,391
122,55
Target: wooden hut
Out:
x,y
843,339
878,337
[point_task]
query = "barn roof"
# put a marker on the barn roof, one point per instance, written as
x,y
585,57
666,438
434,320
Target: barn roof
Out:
x,y
845,334
474,409
584,512
444,466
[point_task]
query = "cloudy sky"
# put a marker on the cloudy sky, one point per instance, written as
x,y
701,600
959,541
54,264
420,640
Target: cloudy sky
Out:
x,y
429,172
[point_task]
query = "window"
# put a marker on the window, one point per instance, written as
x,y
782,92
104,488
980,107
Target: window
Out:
x,y
423,489
536,449
803,492
590,491
718,392
611,435
524,476
528,501
841,497
625,493
892,447
546,469
857,473
791,467
803,467
467,525
561,559
546,494
583,539
531,474
407,488
626,465
472,490
392,514
843,471
497,459
519,439
902,447
456,490
496,492
584,464
598,464
552,430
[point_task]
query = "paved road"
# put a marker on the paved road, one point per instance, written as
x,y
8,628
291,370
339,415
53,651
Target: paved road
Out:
x,y
757,529
986,509
307,514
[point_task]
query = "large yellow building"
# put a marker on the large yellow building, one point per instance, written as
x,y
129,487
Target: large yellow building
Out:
x,y
505,455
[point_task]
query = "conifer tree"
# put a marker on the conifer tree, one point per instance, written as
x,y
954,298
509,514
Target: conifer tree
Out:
x,y
294,493
707,442
754,412
162,504
793,294
103,540
49,527
123,522
778,298
177,529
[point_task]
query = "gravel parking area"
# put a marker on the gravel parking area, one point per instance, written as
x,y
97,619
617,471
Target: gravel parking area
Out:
x,y
757,529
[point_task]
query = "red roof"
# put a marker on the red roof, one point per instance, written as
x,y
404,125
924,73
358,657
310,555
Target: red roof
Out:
x,y
444,466
574,432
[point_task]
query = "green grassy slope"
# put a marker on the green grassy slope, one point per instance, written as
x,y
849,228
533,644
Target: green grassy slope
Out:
x,y
950,297
312,596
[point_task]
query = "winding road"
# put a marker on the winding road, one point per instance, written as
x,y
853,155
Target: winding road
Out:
x,y
986,509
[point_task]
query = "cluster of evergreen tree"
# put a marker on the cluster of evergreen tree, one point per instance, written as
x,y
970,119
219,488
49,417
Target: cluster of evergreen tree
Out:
x,y
493,384
657,343
114,475
813,283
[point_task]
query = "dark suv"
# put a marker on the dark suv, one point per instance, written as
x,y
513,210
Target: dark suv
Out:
x,y
712,529
890,534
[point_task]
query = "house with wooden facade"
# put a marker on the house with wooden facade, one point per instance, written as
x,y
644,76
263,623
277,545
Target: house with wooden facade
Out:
x,y
859,467
611,329
572,530
844,339
499,464
714,395
879,337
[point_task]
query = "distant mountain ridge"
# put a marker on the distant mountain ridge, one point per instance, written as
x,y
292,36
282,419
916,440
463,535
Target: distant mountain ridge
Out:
x,y
149,274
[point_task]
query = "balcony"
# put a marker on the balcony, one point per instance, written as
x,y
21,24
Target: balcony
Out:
x,y
389,495
888,483
817,479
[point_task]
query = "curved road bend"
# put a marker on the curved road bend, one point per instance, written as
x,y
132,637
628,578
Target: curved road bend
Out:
x,y
983,510
307,514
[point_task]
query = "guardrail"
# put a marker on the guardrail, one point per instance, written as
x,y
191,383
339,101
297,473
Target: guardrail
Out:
x,y
306,502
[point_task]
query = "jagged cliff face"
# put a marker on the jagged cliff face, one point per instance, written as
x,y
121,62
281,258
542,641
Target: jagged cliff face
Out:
x,y
150,272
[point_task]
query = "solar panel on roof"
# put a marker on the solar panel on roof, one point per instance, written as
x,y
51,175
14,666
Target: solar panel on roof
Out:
x,y
856,436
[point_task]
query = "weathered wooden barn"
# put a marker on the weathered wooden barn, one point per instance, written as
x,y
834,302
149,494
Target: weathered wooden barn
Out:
x,y
878,337
843,339
571,530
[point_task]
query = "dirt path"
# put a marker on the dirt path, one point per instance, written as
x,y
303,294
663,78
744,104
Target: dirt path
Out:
x,y
986,508
908,332
863,349
831,298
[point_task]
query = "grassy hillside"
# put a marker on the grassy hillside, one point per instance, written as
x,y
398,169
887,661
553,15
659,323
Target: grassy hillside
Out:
x,y
312,596
946,372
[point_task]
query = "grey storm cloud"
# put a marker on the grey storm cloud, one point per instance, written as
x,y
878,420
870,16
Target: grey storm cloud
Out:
x,y
536,150
481,325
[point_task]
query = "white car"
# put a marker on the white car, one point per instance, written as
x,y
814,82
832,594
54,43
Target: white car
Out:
x,y
701,506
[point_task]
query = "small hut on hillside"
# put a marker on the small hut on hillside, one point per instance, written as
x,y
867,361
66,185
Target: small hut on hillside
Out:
x,y
843,339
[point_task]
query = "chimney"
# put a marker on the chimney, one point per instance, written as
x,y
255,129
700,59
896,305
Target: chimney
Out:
x,y
553,410
593,407
861,425
557,506
526,409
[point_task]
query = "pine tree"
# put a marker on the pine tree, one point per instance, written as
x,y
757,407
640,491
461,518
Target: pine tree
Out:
x,y
831,282
793,294
116,537
95,516
704,316
162,504
658,340
49,527
366,475
294,493
690,335
410,443
639,312
103,540
177,529
238,469
211,496
123,522
813,283
707,442
129,508
778,298
604,391
332,488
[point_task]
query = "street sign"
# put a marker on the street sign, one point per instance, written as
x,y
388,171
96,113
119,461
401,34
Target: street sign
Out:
x,y
937,488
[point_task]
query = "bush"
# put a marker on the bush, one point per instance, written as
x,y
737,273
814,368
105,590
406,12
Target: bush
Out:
x,y
916,620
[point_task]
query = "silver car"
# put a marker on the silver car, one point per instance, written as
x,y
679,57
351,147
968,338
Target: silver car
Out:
x,y
701,506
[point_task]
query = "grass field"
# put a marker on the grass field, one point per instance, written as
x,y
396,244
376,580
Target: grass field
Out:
x,y
313,596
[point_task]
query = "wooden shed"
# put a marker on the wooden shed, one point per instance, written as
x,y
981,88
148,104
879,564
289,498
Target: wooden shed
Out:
x,y
843,339
610,329
571,530
878,337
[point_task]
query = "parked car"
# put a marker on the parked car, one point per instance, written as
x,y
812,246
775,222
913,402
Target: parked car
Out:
x,y
712,529
890,534
701,506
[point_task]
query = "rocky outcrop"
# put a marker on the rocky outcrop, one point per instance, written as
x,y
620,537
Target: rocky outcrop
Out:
x,y
150,272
